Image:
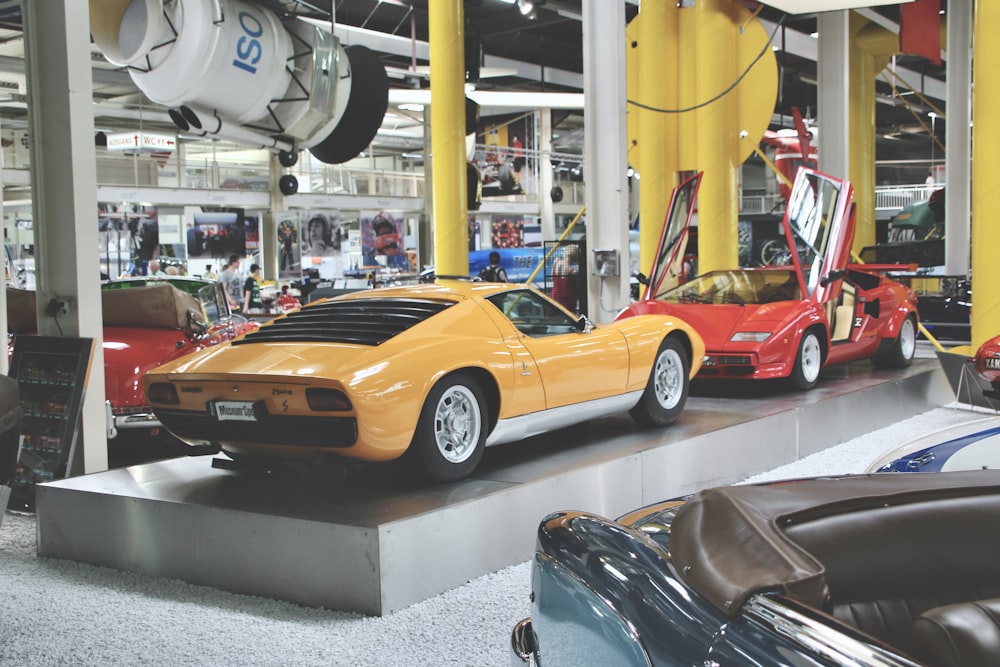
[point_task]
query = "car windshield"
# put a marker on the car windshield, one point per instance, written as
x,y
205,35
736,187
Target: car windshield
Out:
x,y
533,314
812,208
737,287
678,218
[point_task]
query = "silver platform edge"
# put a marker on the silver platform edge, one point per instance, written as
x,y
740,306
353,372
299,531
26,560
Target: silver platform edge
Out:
x,y
370,540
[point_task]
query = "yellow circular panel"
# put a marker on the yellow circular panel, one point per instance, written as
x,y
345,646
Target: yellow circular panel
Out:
x,y
677,54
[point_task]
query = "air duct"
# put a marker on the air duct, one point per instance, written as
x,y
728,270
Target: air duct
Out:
x,y
249,76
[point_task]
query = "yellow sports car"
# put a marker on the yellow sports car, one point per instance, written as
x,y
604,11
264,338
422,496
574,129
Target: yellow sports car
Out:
x,y
437,371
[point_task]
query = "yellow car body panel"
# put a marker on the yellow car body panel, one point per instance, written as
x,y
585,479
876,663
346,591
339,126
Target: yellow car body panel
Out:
x,y
387,383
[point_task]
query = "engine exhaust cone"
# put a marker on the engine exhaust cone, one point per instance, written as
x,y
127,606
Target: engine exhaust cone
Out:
x,y
366,106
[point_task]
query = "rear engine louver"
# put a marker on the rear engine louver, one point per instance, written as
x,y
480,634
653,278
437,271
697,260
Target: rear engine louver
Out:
x,y
358,322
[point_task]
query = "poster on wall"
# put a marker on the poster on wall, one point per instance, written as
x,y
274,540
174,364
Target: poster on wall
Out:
x,y
137,223
320,233
289,256
382,240
219,234
502,156
507,232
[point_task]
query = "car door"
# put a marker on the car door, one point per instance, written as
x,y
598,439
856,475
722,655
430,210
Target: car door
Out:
x,y
819,224
574,364
665,272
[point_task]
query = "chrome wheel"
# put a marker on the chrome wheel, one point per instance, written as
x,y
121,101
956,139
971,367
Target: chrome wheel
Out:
x,y
907,339
666,389
458,424
812,358
669,377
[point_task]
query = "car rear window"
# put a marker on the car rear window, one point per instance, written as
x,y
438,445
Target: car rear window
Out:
x,y
354,321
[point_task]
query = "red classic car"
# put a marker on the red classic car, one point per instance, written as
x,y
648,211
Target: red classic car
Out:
x,y
987,362
811,308
147,322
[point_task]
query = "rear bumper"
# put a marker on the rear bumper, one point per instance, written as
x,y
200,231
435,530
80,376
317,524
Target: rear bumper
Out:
x,y
138,420
522,645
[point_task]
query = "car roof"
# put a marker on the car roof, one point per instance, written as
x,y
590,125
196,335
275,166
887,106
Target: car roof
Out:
x,y
731,542
441,289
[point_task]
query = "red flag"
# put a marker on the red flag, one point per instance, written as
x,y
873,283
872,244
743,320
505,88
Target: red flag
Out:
x,y
920,29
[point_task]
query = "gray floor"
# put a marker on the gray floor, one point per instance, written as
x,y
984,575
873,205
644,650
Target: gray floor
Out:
x,y
60,612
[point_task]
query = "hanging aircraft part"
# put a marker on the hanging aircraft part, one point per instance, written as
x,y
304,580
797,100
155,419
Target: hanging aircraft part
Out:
x,y
234,70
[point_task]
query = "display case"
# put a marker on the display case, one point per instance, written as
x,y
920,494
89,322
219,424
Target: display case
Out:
x,y
51,374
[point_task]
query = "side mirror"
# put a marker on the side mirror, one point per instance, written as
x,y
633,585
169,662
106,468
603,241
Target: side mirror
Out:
x,y
584,325
832,276
195,323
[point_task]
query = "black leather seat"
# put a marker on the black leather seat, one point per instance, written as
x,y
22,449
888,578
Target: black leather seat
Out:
x,y
959,635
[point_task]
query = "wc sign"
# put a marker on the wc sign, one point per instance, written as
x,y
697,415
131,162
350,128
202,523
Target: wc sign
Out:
x,y
140,142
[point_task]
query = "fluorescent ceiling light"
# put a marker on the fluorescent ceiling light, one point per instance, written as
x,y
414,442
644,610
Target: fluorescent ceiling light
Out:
x,y
810,6
411,106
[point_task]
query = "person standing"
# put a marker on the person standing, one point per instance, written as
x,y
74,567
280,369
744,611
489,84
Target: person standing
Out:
x,y
251,291
232,284
493,272
565,278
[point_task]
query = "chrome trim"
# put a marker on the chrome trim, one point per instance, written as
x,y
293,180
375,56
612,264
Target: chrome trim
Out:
x,y
816,637
115,423
543,421
522,645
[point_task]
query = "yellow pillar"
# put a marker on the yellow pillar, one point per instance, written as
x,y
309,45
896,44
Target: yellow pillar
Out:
x,y
702,82
718,207
872,45
985,175
447,57
655,45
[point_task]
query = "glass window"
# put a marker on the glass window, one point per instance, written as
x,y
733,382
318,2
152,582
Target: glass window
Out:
x,y
533,314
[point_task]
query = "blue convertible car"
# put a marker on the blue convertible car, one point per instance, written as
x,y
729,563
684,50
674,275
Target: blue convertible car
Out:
x,y
876,569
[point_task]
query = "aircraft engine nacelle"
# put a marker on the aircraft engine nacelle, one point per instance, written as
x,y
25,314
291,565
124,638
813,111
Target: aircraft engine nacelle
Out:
x,y
234,70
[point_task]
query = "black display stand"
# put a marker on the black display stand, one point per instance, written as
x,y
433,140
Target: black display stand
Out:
x,y
51,374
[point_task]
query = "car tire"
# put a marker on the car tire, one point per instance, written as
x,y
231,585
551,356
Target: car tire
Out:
x,y
452,428
808,362
667,387
900,353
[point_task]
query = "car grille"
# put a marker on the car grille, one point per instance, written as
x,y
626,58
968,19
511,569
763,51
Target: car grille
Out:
x,y
734,360
272,429
359,322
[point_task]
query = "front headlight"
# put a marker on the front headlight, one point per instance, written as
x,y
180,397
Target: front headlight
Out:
x,y
750,336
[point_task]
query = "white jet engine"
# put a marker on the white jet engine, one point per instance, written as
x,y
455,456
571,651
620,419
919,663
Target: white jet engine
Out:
x,y
234,70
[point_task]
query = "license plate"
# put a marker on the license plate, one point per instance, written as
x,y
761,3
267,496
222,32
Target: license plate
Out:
x,y
241,411
993,363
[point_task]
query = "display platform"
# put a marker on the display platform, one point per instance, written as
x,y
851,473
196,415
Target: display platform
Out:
x,y
372,540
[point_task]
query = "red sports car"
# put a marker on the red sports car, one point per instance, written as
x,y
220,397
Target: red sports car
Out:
x,y
808,310
987,362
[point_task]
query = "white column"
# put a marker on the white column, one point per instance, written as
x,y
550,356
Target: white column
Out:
x,y
832,64
545,180
958,139
64,191
605,153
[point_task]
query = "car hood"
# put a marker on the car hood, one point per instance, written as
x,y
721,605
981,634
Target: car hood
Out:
x,y
718,322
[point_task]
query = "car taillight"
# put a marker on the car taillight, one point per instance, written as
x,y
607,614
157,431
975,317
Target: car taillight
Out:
x,y
162,392
327,400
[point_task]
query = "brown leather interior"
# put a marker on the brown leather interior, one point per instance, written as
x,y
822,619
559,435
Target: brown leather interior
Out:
x,y
959,635
875,551
884,566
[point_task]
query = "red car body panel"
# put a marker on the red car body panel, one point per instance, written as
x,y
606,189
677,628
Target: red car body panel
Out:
x,y
987,361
